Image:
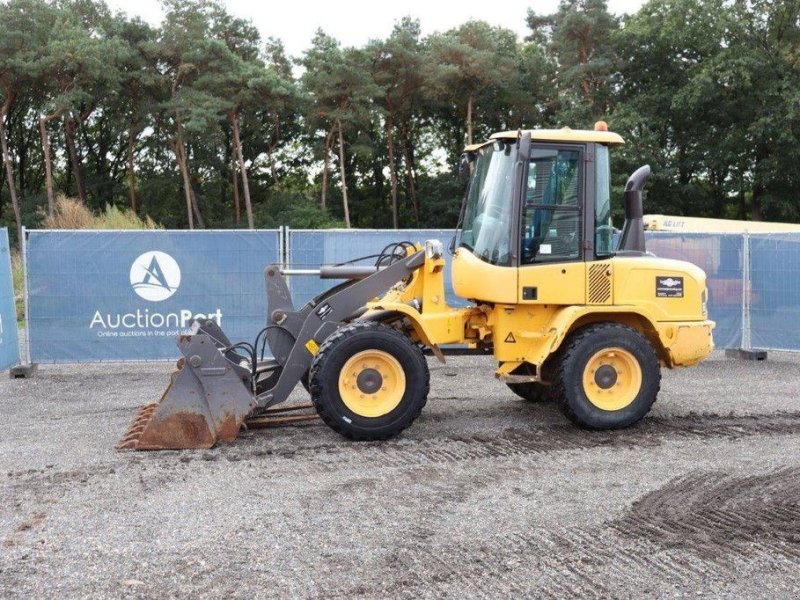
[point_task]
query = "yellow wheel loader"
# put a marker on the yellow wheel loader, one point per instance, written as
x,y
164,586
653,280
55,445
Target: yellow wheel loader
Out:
x,y
567,316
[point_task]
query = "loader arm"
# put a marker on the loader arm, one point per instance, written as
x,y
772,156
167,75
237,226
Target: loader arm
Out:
x,y
320,317
216,388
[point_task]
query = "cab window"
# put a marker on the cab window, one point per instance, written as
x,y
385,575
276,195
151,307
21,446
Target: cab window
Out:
x,y
486,228
551,214
604,231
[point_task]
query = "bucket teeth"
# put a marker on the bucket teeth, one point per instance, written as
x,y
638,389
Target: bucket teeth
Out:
x,y
130,440
206,401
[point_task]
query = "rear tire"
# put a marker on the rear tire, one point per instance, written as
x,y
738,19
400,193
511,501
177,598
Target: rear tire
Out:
x,y
532,391
369,381
608,377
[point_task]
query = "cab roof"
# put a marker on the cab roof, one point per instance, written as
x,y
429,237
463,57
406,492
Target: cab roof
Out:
x,y
556,135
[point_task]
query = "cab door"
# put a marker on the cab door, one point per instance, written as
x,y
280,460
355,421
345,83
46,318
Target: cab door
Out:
x,y
551,263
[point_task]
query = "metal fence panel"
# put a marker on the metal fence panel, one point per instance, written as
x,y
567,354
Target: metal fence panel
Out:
x,y
721,257
9,338
125,295
312,248
97,296
775,291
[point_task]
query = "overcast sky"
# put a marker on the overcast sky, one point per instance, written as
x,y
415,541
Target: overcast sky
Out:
x,y
355,22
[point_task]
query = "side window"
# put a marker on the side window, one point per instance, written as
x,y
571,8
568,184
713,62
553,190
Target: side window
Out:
x,y
551,215
603,229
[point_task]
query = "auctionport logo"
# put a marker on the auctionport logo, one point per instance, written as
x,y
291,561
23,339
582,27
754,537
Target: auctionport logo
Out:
x,y
155,276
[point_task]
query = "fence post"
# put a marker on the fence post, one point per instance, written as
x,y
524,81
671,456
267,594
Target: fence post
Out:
x,y
745,350
747,343
286,255
26,368
26,315
282,246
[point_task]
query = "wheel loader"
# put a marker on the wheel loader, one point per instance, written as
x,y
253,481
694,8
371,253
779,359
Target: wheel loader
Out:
x,y
569,316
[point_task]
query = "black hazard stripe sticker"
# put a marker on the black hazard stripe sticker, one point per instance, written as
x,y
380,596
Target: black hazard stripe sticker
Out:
x,y
669,286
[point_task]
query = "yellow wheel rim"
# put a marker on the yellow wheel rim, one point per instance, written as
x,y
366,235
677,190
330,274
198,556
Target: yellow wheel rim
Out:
x,y
372,383
612,379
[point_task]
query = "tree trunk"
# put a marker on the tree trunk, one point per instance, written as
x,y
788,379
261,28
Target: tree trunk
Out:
x,y
273,169
271,146
180,155
344,175
324,195
48,166
69,134
412,192
237,213
469,120
198,216
759,189
248,207
755,209
12,190
392,167
131,171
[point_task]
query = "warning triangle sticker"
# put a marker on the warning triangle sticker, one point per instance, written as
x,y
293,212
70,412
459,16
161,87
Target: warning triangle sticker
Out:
x,y
510,339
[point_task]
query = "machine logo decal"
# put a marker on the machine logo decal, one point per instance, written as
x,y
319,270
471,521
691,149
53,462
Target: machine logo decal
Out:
x,y
669,287
155,276
323,311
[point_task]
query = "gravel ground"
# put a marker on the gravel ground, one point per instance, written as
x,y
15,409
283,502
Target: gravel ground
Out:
x,y
485,496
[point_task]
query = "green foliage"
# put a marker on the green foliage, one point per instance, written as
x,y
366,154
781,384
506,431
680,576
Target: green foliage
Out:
x,y
295,210
142,117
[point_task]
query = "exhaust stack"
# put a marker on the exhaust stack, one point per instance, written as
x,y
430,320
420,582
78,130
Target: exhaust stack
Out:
x,y
632,239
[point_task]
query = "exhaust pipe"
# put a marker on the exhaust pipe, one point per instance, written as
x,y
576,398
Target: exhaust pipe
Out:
x,y
632,239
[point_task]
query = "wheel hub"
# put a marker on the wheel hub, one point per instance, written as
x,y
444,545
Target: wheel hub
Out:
x,y
369,381
605,377
612,379
372,383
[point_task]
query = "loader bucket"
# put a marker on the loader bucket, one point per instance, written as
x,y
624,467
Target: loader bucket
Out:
x,y
206,401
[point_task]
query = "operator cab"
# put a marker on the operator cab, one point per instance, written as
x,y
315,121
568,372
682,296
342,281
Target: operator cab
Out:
x,y
564,167
537,197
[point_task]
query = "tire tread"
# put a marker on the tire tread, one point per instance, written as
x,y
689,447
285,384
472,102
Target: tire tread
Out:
x,y
567,353
327,348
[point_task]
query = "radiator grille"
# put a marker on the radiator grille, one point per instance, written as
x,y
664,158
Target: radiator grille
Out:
x,y
599,283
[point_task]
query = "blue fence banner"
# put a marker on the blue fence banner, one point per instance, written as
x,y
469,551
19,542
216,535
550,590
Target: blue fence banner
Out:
x,y
721,257
774,303
125,295
9,338
312,248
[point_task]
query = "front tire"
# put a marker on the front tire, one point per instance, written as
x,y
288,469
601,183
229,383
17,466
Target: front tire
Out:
x,y
369,381
608,378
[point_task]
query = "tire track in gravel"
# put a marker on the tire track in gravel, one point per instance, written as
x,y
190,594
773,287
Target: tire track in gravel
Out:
x,y
435,451
716,514
683,536
517,441
556,563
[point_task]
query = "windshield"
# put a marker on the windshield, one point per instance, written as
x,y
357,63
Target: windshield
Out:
x,y
487,216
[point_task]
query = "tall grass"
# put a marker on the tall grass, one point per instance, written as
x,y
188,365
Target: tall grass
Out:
x,y
18,277
71,213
